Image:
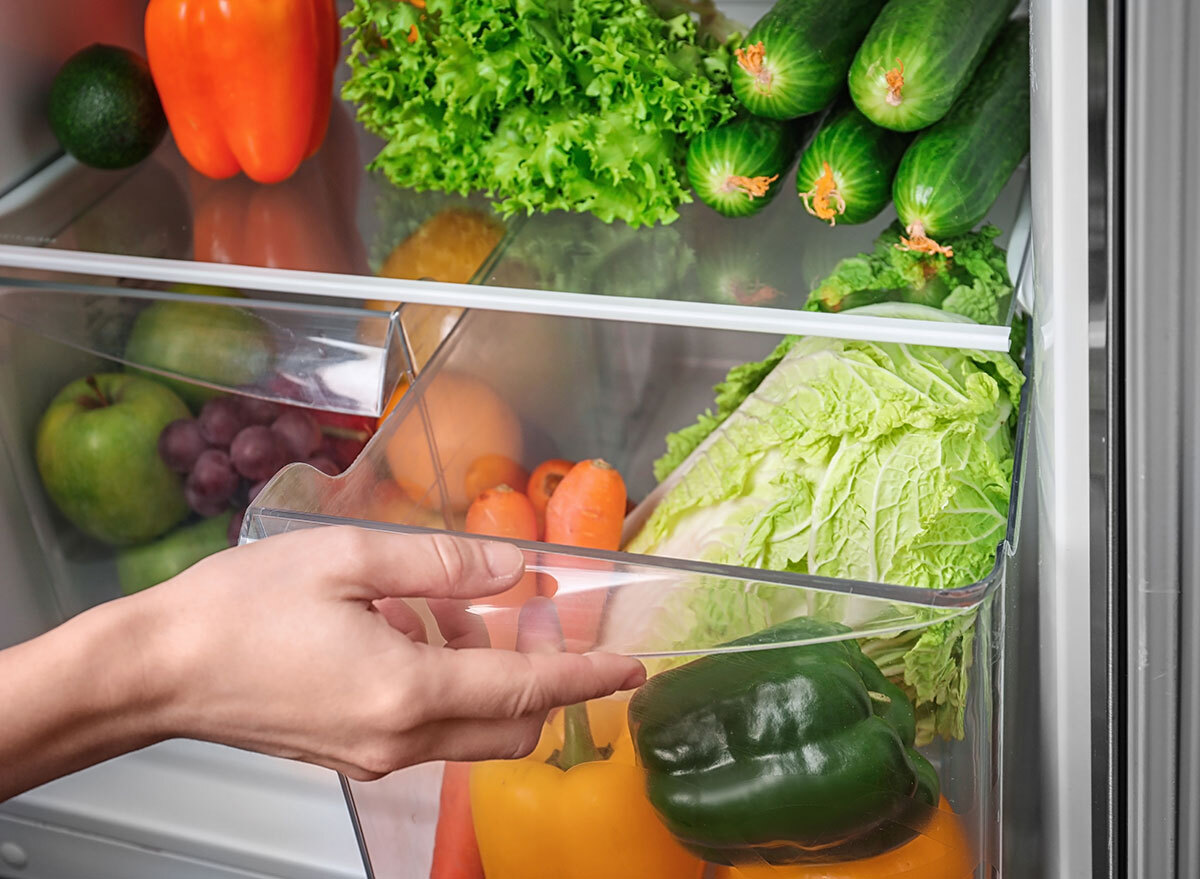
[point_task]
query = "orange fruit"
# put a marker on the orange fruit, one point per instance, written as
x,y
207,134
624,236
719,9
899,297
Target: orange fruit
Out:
x,y
467,420
491,471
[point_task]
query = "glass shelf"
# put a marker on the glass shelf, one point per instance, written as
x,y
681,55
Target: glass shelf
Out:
x,y
335,230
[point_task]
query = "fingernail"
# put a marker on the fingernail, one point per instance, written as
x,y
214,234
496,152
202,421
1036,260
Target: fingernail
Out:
x,y
635,679
502,560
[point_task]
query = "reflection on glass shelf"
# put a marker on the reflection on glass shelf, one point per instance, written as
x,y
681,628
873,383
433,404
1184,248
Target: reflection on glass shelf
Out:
x,y
330,217
335,230
773,259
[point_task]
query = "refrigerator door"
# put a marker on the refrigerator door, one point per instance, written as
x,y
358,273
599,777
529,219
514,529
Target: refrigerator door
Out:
x,y
1156,220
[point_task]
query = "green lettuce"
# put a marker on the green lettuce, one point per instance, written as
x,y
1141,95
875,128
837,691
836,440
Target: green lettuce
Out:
x,y
974,283
580,105
879,462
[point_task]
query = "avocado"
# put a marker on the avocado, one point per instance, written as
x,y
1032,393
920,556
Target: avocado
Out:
x,y
104,108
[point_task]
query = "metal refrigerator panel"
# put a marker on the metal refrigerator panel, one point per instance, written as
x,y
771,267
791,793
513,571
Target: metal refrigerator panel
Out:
x,y
1059,61
1160,231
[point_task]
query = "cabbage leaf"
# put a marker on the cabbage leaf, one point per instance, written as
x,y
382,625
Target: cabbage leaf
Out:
x,y
871,461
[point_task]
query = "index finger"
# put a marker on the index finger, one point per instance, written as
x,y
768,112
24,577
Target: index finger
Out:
x,y
378,564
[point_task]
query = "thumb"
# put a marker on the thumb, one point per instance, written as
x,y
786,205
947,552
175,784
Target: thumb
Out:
x,y
380,564
505,684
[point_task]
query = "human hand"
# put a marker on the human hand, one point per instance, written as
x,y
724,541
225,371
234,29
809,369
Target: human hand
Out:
x,y
298,646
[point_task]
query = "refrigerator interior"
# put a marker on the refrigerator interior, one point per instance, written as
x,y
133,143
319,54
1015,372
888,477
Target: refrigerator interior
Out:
x,y
622,386
56,216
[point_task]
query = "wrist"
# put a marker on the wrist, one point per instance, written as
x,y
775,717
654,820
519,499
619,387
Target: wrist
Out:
x,y
87,691
129,694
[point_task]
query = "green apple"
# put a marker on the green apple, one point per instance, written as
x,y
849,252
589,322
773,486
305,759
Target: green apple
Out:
x,y
97,453
220,344
206,290
140,567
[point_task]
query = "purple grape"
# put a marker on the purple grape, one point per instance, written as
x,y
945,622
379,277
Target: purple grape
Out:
x,y
211,483
257,411
235,526
220,421
180,444
301,435
324,464
205,507
257,452
255,489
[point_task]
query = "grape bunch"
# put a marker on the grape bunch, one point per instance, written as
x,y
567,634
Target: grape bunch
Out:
x,y
229,452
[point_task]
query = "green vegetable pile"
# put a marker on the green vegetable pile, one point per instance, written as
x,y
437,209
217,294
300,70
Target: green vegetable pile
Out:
x,y
868,461
543,104
974,283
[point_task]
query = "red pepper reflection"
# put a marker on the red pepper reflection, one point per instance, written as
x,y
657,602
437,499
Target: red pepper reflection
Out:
x,y
307,222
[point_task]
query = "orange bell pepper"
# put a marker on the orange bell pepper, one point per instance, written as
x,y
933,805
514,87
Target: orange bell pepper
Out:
x,y
246,84
940,851
307,222
571,810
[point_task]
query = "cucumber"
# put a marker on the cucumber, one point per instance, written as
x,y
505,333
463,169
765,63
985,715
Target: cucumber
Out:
x,y
951,174
846,173
736,168
919,56
794,61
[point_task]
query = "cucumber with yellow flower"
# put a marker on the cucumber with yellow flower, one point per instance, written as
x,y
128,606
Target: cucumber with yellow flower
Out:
x,y
845,175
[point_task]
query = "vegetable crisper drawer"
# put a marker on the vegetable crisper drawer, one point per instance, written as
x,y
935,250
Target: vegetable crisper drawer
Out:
x,y
787,746
336,360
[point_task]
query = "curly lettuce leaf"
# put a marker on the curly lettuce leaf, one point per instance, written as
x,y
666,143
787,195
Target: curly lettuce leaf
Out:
x,y
544,104
974,283
976,302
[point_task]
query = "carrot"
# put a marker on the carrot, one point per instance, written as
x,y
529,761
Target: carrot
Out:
x,y
489,471
455,849
588,507
545,478
502,512
586,510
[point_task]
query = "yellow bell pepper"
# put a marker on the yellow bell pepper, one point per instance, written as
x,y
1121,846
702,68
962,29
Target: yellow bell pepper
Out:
x,y
572,810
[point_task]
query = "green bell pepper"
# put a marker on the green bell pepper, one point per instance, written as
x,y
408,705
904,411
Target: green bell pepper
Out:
x,y
785,755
